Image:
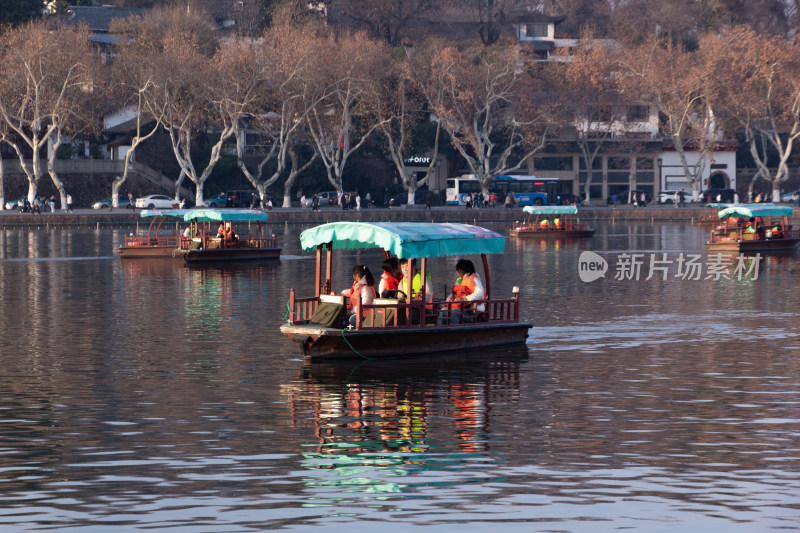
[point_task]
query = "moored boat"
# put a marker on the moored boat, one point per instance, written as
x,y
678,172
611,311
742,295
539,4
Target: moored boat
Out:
x,y
155,244
208,246
397,326
753,228
560,224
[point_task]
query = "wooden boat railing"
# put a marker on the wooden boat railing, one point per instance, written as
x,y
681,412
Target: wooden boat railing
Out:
x,y
216,242
169,240
574,226
416,313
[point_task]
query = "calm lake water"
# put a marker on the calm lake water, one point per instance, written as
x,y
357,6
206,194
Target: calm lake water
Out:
x,y
145,395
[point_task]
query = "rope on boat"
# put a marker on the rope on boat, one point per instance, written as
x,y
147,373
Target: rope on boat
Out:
x,y
351,346
288,312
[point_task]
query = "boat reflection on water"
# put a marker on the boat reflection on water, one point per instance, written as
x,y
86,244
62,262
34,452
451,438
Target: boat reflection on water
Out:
x,y
431,404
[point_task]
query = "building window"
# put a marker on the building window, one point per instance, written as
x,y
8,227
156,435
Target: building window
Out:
x,y
536,30
638,113
552,163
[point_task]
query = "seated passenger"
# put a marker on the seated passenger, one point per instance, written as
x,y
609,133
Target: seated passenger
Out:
x,y
416,285
558,224
363,289
544,224
468,288
390,279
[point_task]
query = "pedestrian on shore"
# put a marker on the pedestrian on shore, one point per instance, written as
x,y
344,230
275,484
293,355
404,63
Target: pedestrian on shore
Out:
x,y
358,202
69,202
643,199
428,200
132,205
315,203
303,202
682,198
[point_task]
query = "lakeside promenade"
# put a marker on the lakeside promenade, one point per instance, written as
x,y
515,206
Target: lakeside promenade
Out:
x,y
127,217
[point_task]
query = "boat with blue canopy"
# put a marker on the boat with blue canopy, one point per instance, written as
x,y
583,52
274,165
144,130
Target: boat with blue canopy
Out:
x,y
160,241
754,228
400,325
199,242
225,242
550,222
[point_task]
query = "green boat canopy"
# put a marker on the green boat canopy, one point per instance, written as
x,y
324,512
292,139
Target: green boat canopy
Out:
x,y
550,209
174,213
724,205
406,240
755,210
225,215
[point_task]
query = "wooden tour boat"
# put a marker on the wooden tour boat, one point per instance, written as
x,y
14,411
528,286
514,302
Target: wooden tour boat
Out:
x,y
210,248
203,244
560,225
154,244
394,326
754,228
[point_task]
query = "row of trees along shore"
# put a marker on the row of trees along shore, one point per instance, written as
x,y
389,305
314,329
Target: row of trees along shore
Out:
x,y
301,85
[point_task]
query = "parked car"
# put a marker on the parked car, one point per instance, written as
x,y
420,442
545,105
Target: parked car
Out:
x,y
217,201
243,198
419,198
12,205
328,197
717,195
668,197
156,201
790,197
105,204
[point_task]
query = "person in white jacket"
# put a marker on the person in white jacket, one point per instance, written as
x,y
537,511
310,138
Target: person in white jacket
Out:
x,y
364,288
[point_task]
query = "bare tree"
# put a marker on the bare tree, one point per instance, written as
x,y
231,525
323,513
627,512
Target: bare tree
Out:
x,y
386,20
46,76
677,82
759,80
491,107
590,102
349,70
288,48
401,108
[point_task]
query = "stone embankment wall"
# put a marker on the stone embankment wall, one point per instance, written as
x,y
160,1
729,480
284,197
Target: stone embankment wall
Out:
x,y
124,217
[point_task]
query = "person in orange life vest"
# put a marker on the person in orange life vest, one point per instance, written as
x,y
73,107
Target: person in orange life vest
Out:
x,y
221,230
544,224
468,288
557,222
390,279
363,287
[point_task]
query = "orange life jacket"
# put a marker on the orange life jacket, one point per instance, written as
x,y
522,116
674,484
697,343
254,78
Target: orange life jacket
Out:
x,y
465,288
391,282
355,295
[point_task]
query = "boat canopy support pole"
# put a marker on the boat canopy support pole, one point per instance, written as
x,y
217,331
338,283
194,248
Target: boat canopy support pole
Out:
x,y
422,289
486,277
318,276
329,269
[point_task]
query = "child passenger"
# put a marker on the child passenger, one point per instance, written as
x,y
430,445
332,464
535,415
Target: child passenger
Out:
x,y
363,287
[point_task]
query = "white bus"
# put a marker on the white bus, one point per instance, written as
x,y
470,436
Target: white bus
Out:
x,y
528,190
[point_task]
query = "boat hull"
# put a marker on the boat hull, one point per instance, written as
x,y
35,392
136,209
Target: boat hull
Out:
x,y
550,234
144,252
210,255
764,245
320,343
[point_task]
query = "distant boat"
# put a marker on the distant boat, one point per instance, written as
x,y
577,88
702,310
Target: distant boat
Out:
x,y
559,225
753,228
202,243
